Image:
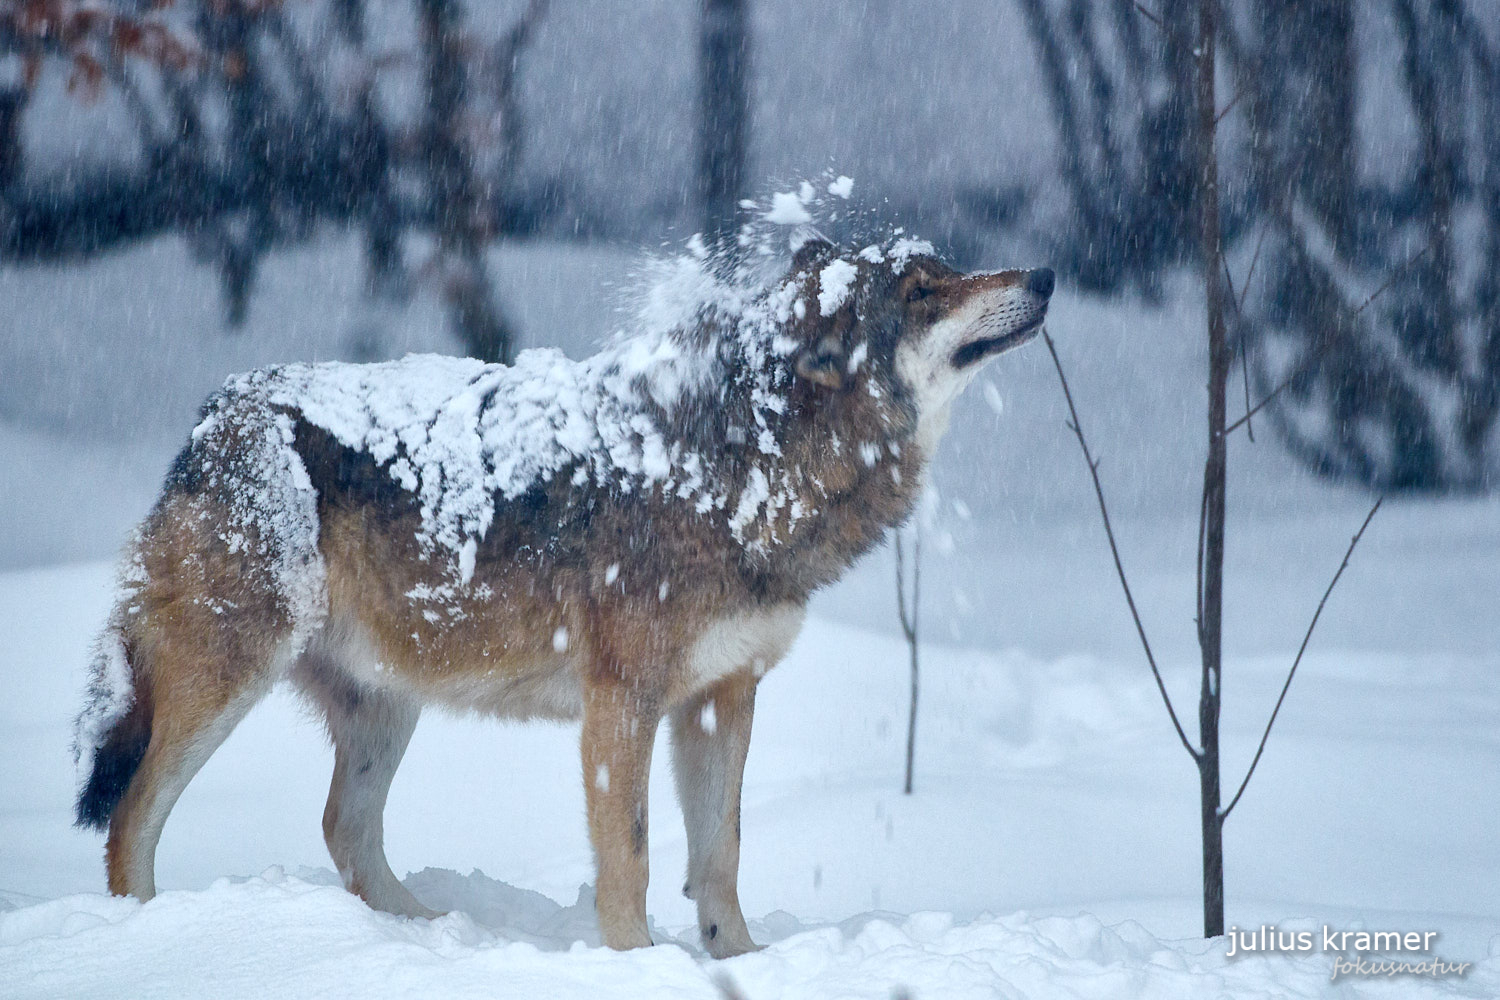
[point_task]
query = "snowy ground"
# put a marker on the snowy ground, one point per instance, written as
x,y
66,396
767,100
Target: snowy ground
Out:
x,y
1047,790
1050,789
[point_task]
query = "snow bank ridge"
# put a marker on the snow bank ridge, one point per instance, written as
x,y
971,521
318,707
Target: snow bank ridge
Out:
x,y
277,935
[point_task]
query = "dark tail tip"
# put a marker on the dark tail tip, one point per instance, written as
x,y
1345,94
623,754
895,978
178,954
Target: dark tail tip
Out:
x,y
115,763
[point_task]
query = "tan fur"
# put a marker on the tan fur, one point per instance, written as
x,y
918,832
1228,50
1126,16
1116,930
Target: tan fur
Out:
x,y
637,613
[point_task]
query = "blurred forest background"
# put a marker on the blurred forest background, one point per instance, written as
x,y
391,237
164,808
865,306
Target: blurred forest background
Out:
x,y
356,178
192,188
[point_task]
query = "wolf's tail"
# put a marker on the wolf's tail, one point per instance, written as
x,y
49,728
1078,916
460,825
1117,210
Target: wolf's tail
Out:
x,y
113,730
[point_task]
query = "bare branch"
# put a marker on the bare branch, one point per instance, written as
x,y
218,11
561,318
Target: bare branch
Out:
x,y
916,583
908,622
1229,280
1150,16
1077,429
1250,274
1245,371
140,109
1392,279
1198,567
1224,813
1302,368
520,33
1230,106
1234,300
1252,411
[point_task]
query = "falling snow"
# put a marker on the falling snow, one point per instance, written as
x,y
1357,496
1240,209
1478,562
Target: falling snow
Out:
x,y
117,278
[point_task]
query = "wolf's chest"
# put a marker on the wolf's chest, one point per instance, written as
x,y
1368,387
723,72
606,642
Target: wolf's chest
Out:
x,y
753,640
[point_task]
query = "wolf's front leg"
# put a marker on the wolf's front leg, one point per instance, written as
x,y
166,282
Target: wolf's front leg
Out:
x,y
618,731
710,737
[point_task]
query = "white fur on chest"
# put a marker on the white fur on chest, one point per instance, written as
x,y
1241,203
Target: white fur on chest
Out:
x,y
754,640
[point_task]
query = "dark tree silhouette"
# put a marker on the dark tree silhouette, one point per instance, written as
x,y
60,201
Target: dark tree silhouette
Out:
x,y
1404,396
723,130
296,143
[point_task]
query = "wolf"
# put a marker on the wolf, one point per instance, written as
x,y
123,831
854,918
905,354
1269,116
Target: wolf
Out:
x,y
623,540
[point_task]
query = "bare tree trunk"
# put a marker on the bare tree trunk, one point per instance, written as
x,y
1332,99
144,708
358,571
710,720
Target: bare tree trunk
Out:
x,y
242,241
1211,567
507,59
12,104
723,66
1483,401
460,217
1212,512
1329,185
385,268
909,626
1172,172
1124,159
1429,43
1307,103
385,272
1053,62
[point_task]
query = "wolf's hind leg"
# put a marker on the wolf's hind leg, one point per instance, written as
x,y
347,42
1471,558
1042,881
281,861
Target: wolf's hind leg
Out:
x,y
191,720
710,738
370,731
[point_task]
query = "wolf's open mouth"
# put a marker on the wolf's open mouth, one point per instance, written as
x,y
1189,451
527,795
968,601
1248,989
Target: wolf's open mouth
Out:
x,y
980,349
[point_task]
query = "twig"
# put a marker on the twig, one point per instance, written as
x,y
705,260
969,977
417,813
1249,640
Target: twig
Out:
x,y
1234,300
1077,428
1224,813
1392,279
1326,344
1245,371
1229,107
1198,567
1149,16
909,625
1229,280
1250,274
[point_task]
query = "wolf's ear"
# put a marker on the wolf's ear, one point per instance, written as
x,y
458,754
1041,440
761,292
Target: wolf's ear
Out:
x,y
813,251
824,363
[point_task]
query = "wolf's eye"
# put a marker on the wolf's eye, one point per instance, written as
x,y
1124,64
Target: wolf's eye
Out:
x,y
918,293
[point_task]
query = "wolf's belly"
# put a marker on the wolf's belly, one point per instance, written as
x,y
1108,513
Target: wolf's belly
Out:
x,y
459,671
550,688
471,678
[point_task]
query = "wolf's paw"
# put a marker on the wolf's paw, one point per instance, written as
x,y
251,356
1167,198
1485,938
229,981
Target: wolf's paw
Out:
x,y
627,938
723,942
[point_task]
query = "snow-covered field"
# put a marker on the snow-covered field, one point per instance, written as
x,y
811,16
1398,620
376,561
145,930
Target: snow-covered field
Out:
x,y
1048,791
1050,848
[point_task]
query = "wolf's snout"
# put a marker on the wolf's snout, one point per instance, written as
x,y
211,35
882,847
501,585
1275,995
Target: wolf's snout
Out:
x,y
1041,281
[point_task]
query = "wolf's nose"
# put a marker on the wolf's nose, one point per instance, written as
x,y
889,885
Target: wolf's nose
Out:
x,y
1041,281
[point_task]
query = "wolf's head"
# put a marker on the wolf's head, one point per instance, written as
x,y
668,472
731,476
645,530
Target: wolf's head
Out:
x,y
895,320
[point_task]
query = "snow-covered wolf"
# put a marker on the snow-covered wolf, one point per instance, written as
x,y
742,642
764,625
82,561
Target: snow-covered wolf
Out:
x,y
623,539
